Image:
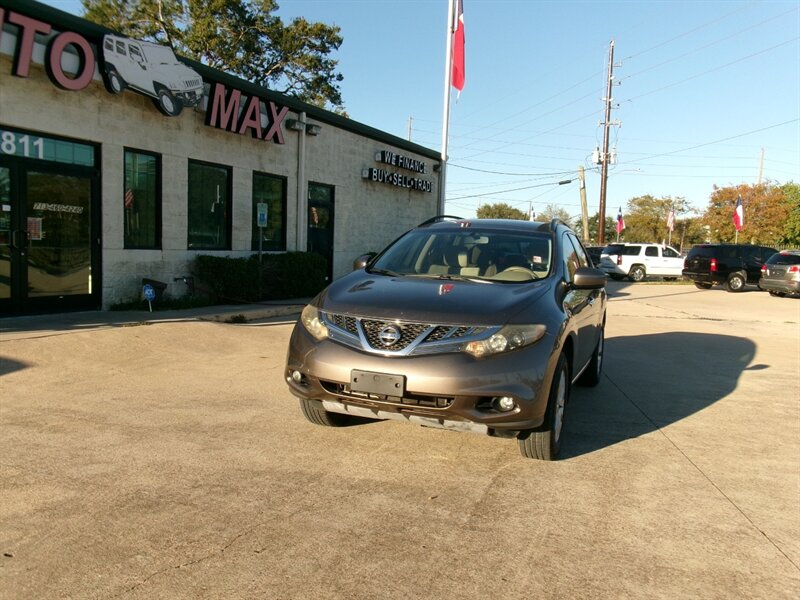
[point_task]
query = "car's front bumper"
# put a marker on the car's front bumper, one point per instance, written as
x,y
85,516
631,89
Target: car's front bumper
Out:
x,y
453,390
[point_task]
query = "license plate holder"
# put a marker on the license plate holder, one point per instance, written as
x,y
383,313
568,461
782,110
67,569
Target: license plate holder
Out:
x,y
382,384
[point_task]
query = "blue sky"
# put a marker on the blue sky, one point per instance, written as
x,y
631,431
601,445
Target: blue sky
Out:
x,y
703,88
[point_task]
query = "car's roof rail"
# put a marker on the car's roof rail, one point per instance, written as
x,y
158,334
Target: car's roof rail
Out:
x,y
438,218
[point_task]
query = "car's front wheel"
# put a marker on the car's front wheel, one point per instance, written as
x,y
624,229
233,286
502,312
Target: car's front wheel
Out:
x,y
591,376
316,413
115,82
167,103
544,443
735,283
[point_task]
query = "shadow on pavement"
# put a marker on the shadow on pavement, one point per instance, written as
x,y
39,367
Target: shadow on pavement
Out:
x,y
8,365
651,381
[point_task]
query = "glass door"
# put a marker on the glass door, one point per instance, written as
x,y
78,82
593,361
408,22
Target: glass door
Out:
x,y
47,230
320,223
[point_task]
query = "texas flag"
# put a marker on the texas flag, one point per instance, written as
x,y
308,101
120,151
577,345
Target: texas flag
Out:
x,y
738,215
620,221
457,74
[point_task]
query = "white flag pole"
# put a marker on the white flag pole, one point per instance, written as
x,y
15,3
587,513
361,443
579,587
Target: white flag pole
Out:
x,y
448,69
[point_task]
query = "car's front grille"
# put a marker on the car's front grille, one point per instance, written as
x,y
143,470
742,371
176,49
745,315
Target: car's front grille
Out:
x,y
408,399
400,338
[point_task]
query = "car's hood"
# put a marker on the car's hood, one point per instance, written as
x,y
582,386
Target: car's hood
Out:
x,y
430,300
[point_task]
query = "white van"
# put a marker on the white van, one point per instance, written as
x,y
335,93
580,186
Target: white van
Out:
x,y
151,69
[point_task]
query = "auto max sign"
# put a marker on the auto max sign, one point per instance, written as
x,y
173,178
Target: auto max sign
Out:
x,y
381,175
146,68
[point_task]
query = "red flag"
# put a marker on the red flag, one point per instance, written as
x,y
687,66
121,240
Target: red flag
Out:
x,y
738,215
457,73
620,222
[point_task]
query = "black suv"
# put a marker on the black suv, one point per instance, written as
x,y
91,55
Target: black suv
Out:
x,y
733,265
464,324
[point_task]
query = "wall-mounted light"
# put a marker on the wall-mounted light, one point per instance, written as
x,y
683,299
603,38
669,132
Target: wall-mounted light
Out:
x,y
312,129
295,125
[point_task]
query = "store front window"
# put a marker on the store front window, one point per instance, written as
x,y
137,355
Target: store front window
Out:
x,y
270,190
142,200
209,206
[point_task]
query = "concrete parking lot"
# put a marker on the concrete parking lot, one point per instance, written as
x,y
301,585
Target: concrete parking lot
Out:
x,y
166,459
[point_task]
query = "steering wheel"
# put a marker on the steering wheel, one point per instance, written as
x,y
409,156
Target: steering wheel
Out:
x,y
518,269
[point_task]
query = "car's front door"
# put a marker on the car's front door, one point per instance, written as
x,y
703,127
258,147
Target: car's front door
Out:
x,y
582,306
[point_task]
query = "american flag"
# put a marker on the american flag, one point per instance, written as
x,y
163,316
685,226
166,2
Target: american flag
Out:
x,y
671,220
129,198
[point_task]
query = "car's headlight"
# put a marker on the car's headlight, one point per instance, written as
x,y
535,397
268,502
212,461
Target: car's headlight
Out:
x,y
508,338
312,321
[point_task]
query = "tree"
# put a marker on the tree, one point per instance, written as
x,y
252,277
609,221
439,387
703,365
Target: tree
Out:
x,y
240,37
610,230
646,218
766,213
791,230
551,211
500,210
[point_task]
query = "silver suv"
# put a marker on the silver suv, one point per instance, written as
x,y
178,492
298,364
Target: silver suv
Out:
x,y
468,325
637,261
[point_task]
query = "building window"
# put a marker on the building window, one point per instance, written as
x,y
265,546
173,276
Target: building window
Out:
x,y
271,190
142,200
209,206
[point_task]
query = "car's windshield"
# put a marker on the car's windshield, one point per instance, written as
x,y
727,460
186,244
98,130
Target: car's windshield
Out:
x,y
472,253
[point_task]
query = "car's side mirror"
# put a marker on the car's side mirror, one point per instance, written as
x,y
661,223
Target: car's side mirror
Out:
x,y
362,261
588,278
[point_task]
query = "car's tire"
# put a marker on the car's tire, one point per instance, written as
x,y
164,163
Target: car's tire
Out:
x,y
776,293
703,286
167,103
314,412
544,443
591,376
116,84
637,273
735,282
616,277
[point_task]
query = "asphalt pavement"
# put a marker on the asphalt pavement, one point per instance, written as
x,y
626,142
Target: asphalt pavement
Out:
x,y
161,455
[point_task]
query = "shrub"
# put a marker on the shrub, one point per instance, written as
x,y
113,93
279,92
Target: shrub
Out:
x,y
278,276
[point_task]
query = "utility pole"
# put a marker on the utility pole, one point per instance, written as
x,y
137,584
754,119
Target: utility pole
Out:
x,y
410,123
584,209
761,167
604,157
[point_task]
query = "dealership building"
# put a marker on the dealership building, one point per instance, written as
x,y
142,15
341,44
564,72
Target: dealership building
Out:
x,y
121,162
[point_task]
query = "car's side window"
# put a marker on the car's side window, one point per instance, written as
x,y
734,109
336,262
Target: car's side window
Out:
x,y
580,252
670,253
121,49
570,257
651,251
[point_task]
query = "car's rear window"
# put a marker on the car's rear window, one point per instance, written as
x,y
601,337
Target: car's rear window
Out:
x,y
784,259
613,249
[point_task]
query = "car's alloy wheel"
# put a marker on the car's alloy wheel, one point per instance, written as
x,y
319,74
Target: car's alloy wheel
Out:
x,y
735,283
544,443
115,82
637,273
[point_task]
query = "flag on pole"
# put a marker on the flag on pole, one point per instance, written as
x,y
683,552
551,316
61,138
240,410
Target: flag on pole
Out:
x,y
532,215
671,220
620,221
458,75
738,215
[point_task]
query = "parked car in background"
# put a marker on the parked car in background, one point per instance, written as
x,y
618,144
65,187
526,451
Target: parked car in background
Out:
x,y
463,324
594,253
780,275
732,265
637,261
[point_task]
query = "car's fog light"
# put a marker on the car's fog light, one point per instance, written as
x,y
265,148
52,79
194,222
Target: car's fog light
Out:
x,y
503,403
297,376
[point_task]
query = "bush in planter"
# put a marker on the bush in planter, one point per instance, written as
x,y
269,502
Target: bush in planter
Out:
x,y
293,275
278,276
